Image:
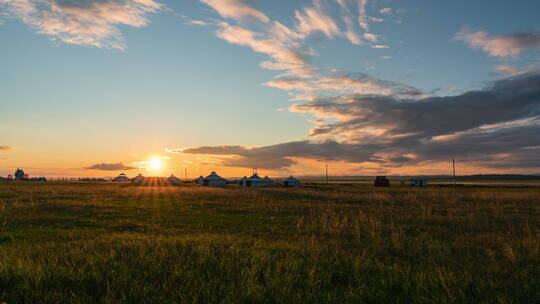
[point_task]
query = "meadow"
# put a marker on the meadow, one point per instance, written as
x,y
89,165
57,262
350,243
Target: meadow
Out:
x,y
119,243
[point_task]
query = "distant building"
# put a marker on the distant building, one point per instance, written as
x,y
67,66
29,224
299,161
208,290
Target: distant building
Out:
x,y
242,181
173,180
267,181
214,180
137,180
121,178
381,181
418,182
198,180
256,181
291,182
19,175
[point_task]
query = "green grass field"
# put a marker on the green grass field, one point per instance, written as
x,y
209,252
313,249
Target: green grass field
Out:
x,y
112,243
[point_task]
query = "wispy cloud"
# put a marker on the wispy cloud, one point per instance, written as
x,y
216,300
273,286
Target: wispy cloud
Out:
x,y
196,22
236,9
314,19
362,15
509,71
110,167
501,46
385,11
5,148
88,22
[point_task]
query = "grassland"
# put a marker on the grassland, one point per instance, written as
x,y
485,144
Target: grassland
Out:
x,y
111,243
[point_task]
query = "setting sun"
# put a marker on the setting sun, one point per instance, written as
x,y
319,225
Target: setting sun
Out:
x,y
155,163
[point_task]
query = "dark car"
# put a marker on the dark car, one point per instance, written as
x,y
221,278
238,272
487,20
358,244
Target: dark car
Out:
x,y
381,181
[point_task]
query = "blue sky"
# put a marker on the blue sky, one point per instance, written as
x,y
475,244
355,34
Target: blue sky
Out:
x,y
85,82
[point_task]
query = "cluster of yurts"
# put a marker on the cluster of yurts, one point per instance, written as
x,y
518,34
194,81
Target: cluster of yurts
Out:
x,y
214,180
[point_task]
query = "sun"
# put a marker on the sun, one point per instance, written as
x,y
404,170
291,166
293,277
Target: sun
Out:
x,y
155,163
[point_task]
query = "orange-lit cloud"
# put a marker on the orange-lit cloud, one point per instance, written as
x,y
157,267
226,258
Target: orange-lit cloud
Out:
x,y
236,9
502,46
110,167
89,22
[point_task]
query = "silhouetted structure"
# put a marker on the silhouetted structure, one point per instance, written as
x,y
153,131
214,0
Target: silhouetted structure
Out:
x,y
198,180
381,181
214,180
173,180
137,180
242,181
19,175
291,182
121,178
418,182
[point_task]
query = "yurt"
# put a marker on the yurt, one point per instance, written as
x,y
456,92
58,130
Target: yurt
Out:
x,y
173,180
253,181
19,174
137,180
267,181
214,180
242,181
121,178
291,182
198,180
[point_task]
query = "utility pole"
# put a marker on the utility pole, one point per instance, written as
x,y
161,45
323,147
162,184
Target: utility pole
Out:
x,y
326,174
454,170
185,174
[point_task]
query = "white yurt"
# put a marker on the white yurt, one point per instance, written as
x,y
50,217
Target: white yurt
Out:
x,y
267,181
256,181
291,182
121,178
242,181
173,180
198,180
214,180
139,179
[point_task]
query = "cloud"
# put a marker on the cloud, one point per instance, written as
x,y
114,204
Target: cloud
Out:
x,y
5,148
83,22
509,71
258,43
507,100
501,46
385,11
110,167
393,132
339,83
236,9
197,22
281,156
314,19
362,16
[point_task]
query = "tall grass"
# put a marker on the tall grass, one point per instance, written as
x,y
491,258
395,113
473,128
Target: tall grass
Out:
x,y
88,243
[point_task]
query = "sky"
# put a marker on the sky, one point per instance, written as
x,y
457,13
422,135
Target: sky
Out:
x,y
370,87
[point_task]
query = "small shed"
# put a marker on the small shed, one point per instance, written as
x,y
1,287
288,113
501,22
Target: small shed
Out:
x,y
214,180
418,182
173,180
137,180
381,181
291,182
121,178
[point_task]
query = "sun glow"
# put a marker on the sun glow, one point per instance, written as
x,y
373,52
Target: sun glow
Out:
x,y
155,163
